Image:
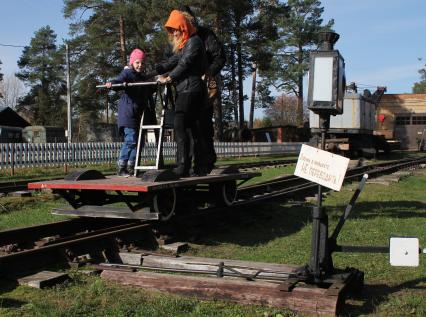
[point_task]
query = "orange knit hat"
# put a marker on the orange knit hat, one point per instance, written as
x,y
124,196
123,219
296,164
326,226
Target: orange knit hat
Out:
x,y
178,21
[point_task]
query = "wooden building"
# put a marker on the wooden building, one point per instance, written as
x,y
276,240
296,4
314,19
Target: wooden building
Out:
x,y
8,117
403,117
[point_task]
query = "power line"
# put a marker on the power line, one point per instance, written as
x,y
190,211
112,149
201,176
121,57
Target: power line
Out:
x,y
11,45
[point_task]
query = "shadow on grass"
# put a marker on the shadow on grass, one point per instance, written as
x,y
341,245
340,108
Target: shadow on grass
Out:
x,y
270,220
260,224
373,295
8,285
398,209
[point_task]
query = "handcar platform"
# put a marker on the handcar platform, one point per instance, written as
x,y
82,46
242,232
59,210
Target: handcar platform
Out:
x,y
156,195
135,184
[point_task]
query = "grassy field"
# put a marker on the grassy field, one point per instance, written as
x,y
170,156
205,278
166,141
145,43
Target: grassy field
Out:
x,y
277,232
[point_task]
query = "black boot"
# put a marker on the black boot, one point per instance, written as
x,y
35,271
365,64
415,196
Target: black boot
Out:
x,y
122,171
181,171
131,170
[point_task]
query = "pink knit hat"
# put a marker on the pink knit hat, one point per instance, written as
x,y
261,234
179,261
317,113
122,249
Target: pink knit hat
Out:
x,y
136,54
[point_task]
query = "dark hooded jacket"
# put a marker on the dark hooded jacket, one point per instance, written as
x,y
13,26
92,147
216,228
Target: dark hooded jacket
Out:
x,y
187,66
134,100
215,52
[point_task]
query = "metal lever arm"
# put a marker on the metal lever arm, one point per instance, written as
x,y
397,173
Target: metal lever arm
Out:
x,y
348,209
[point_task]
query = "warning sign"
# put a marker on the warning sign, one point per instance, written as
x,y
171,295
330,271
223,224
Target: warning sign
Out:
x,y
321,167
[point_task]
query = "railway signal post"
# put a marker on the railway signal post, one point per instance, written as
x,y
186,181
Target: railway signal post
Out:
x,y
326,92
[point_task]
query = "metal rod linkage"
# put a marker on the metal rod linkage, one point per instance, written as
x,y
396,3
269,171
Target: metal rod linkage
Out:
x,y
145,83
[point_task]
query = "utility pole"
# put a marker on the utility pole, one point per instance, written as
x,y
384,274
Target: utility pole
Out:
x,y
69,127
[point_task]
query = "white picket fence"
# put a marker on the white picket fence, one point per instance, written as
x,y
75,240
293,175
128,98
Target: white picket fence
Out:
x,y
19,155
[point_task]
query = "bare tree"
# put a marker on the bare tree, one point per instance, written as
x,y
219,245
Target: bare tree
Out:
x,y
11,89
284,110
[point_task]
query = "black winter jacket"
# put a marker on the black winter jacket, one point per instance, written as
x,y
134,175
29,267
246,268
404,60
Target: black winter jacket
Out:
x,y
215,52
187,66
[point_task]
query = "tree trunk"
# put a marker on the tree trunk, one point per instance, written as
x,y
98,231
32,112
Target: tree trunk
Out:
x,y
122,41
299,110
240,81
217,105
217,108
253,95
299,118
234,86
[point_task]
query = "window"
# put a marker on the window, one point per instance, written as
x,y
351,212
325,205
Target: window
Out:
x,y
402,120
419,119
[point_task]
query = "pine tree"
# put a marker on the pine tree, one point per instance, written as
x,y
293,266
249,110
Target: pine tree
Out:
x,y
104,32
41,69
298,29
263,32
233,18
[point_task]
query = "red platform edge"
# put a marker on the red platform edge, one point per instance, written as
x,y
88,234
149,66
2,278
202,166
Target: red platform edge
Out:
x,y
133,184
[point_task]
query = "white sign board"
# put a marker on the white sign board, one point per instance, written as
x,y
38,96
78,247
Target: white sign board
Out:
x,y
404,251
321,167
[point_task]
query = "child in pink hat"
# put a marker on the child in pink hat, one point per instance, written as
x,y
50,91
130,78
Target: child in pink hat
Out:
x,y
133,102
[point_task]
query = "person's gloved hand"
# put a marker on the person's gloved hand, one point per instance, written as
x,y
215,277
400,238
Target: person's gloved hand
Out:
x,y
164,80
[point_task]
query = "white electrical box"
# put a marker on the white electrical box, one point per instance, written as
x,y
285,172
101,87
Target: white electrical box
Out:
x,y
404,251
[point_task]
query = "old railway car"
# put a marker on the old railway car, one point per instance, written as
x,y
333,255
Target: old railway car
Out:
x,y
352,133
43,134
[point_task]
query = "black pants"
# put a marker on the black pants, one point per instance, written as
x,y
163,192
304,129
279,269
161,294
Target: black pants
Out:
x,y
204,153
187,131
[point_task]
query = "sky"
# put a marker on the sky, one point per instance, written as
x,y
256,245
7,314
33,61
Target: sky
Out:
x,y
380,40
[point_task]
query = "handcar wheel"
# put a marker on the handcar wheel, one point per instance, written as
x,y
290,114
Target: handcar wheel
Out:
x,y
224,194
164,203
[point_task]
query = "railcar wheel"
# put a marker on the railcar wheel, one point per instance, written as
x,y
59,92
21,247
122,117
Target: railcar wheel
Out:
x,y
224,194
164,203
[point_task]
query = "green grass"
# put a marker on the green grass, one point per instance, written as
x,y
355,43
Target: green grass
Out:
x,y
22,212
275,232
48,172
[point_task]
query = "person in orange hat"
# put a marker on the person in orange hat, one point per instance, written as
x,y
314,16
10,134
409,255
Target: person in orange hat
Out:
x,y
185,70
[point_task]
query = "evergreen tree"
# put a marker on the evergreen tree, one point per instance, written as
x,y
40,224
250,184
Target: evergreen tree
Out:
x,y
234,18
104,32
262,34
41,69
298,29
420,87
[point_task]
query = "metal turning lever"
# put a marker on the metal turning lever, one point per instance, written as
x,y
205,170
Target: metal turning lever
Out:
x,y
345,215
221,272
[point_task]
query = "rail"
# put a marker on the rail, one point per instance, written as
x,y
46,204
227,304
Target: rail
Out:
x,y
19,155
14,254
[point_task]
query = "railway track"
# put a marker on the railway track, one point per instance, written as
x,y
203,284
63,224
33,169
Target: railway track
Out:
x,y
73,238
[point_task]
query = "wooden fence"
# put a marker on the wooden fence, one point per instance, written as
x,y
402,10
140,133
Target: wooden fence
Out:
x,y
17,155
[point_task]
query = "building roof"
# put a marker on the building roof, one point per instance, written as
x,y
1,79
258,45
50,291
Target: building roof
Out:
x,y
10,118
